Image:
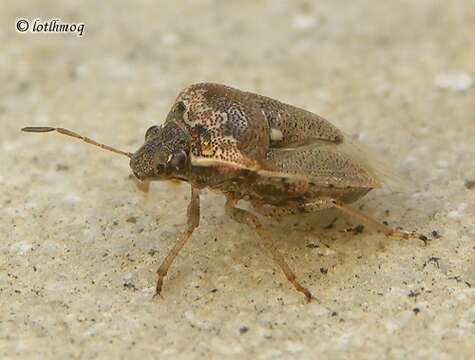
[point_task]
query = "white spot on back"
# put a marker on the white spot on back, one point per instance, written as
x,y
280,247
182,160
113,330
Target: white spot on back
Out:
x,y
276,134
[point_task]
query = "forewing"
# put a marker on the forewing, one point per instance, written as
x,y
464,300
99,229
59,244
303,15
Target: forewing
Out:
x,y
291,126
247,130
375,164
344,164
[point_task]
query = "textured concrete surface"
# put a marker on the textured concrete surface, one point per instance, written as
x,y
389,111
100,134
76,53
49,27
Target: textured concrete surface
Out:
x,y
79,244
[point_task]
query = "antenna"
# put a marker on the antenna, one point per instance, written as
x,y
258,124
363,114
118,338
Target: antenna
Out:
x,y
43,129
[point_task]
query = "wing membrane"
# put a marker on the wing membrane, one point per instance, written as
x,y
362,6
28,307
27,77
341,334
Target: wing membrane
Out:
x,y
343,164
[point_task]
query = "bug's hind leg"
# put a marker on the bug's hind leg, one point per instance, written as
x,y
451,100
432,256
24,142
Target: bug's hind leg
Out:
x,y
246,217
386,230
193,222
327,203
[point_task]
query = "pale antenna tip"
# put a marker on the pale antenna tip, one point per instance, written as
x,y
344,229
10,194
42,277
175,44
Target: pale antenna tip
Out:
x,y
38,129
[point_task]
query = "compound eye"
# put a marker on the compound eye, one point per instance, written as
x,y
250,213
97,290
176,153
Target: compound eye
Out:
x,y
180,106
178,160
152,131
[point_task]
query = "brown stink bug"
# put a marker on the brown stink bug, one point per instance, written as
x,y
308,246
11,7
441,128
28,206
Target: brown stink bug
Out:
x,y
280,158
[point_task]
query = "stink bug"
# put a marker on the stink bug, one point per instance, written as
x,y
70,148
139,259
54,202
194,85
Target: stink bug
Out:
x,y
280,158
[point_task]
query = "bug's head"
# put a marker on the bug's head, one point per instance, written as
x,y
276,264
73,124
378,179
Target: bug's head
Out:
x,y
165,154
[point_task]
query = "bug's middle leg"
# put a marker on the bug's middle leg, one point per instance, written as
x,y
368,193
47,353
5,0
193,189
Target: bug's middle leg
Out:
x,y
246,217
293,208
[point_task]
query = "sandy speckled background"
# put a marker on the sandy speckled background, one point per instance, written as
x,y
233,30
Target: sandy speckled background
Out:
x,y
79,245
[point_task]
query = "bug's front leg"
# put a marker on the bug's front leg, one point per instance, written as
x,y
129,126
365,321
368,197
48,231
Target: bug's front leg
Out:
x,y
193,222
246,217
143,186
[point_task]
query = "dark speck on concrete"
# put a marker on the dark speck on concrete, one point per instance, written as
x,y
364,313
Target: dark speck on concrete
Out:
x,y
470,184
358,229
312,246
243,330
152,252
434,260
62,167
130,285
131,220
423,237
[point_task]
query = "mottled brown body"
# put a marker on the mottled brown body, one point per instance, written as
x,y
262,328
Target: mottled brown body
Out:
x,y
280,158
260,149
